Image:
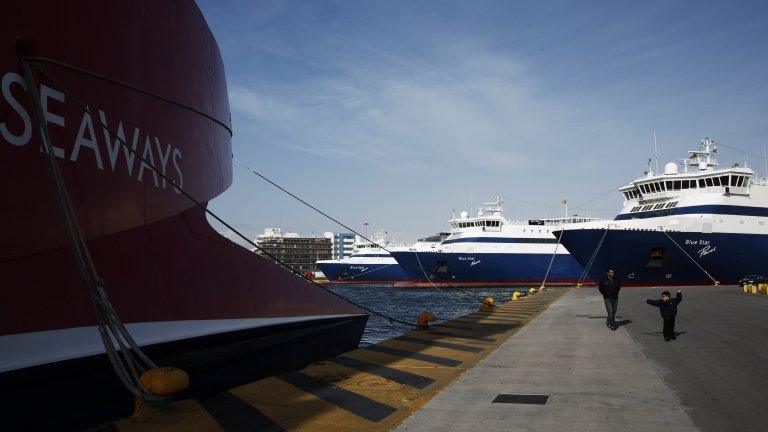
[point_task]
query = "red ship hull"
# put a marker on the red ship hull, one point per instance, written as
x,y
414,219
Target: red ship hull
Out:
x,y
190,297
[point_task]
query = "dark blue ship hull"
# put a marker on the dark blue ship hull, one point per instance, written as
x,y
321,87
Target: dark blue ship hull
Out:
x,y
651,258
488,268
362,273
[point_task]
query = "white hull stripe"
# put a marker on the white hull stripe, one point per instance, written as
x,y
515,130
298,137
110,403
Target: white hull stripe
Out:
x,y
31,349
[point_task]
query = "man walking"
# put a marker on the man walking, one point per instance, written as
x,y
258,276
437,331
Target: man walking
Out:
x,y
609,287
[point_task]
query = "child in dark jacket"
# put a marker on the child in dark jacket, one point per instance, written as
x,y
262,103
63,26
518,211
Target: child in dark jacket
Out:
x,y
668,308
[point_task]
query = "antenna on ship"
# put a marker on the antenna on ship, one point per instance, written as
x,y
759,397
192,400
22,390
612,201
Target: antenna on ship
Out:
x,y
656,151
765,160
470,201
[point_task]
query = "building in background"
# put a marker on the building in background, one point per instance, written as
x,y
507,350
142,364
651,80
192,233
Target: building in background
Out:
x,y
298,253
342,244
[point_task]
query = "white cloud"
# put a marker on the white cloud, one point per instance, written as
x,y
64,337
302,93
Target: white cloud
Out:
x,y
459,107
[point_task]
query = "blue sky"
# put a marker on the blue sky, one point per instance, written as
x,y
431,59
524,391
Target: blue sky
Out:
x,y
394,113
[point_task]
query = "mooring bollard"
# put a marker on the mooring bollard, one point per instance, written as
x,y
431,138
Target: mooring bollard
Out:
x,y
487,305
516,295
424,319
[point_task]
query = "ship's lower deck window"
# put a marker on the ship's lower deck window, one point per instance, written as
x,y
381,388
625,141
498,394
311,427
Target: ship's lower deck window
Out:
x,y
656,257
442,267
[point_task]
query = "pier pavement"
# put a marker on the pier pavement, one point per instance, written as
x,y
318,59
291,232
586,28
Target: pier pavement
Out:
x,y
712,378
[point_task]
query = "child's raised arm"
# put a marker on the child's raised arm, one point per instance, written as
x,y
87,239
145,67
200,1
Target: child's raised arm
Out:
x,y
679,297
652,302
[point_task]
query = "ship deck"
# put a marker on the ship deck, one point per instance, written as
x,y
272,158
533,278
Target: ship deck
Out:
x,y
546,362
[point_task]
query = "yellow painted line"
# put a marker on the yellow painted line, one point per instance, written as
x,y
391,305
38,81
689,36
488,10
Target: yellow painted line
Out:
x,y
393,379
426,335
181,416
271,396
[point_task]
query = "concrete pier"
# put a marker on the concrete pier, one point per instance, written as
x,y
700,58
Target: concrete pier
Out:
x,y
543,363
712,378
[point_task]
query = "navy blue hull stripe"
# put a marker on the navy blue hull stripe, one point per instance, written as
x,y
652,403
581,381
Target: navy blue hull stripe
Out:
x,y
501,240
702,209
726,256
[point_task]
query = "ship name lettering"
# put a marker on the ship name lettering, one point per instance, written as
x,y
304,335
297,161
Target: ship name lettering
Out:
x,y
18,132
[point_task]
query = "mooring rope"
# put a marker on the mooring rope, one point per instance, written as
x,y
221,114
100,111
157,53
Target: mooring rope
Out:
x,y
331,218
129,86
592,258
199,204
552,260
111,330
714,281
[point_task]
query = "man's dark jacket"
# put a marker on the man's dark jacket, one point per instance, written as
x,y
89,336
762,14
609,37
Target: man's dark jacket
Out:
x,y
609,287
668,308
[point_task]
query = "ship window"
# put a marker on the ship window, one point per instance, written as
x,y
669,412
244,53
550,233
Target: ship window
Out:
x,y
724,180
693,184
669,184
716,181
677,185
701,183
709,181
656,257
442,267
734,180
742,181
685,184
661,186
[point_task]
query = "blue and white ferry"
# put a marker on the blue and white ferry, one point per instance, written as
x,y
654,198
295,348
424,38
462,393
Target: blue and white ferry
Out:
x,y
694,227
490,250
370,263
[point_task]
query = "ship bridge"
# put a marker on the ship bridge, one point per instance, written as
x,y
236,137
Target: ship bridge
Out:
x,y
699,176
488,219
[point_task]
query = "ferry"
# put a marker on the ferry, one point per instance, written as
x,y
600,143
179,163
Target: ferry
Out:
x,y
700,226
101,150
488,250
370,262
